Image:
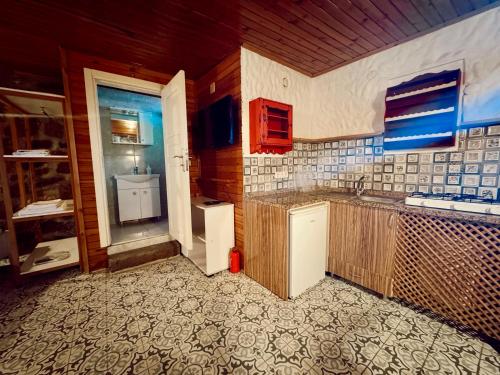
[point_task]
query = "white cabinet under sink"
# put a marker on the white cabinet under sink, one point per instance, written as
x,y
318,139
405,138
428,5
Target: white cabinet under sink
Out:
x,y
138,196
129,204
150,203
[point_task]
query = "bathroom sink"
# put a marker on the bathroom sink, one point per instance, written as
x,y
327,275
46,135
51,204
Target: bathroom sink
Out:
x,y
136,177
369,198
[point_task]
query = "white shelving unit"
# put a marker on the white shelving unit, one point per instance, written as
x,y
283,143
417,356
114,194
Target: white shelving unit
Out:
x,y
50,250
46,256
213,234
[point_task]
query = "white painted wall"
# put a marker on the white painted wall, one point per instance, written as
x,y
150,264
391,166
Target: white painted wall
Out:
x,y
350,100
261,77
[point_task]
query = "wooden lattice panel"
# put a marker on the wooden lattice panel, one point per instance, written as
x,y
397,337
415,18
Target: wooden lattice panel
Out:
x,y
451,267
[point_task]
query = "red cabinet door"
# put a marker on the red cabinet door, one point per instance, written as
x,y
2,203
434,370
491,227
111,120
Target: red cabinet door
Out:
x,y
271,127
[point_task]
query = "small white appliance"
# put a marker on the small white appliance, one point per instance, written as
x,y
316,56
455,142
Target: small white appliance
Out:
x,y
213,234
308,241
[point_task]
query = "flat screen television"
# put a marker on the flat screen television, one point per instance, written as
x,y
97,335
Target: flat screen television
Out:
x,y
217,124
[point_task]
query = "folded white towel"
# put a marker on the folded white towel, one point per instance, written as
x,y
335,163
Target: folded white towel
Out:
x,y
53,202
36,152
43,207
29,211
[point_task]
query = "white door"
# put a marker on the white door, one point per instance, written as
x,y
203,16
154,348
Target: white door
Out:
x,y
146,128
129,204
173,99
308,245
150,203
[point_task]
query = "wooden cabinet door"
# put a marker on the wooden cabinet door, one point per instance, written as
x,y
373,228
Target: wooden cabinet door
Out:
x,y
345,237
129,204
380,240
378,248
277,124
362,245
271,128
266,246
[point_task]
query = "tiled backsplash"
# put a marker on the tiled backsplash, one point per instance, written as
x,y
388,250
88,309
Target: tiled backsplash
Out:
x,y
472,169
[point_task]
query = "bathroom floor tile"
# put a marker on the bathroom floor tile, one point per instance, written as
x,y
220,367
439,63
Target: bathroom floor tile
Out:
x,y
131,231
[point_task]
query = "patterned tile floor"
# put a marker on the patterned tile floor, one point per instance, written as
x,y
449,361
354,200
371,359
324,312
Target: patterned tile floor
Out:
x,y
168,318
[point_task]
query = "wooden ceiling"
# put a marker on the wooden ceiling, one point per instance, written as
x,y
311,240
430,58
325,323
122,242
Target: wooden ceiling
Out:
x,y
312,36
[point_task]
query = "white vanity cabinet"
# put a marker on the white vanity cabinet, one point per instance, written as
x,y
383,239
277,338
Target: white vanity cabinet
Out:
x,y
138,196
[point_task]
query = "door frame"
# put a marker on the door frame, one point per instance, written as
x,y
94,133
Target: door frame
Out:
x,y
92,79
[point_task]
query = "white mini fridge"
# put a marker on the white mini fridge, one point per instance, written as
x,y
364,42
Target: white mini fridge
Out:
x,y
308,241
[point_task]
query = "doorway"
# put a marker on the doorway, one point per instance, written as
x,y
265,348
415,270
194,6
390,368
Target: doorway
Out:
x,y
134,164
170,220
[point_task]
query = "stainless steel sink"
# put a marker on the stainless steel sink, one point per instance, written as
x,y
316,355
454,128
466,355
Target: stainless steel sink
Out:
x,y
332,194
350,196
369,198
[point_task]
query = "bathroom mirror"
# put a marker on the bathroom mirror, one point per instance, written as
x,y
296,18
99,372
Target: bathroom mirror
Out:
x,y
127,128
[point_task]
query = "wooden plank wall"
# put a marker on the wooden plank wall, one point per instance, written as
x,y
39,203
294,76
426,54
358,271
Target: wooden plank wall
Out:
x,y
222,170
73,64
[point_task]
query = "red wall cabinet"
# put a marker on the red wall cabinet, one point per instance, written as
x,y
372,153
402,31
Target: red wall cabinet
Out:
x,y
270,127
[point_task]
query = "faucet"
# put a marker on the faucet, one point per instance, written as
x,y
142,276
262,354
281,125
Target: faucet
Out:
x,y
360,186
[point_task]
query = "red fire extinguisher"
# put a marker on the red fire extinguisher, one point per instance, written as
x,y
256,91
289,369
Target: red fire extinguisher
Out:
x,y
235,261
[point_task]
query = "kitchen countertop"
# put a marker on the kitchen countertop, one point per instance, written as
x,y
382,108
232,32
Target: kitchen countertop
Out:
x,y
293,199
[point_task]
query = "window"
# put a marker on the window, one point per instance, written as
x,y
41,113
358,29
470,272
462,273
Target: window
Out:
x,y
423,112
